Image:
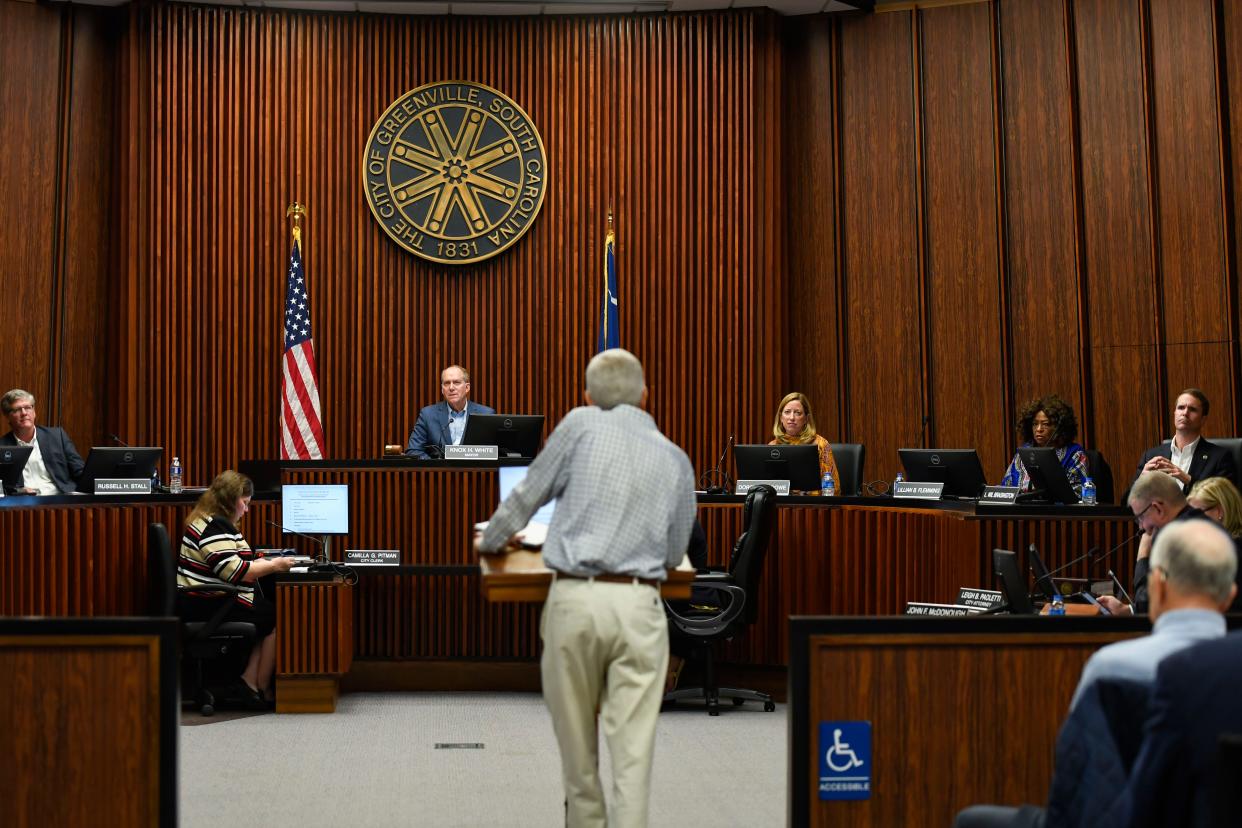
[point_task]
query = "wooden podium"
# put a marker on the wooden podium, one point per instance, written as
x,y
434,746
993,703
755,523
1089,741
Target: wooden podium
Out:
x,y
521,577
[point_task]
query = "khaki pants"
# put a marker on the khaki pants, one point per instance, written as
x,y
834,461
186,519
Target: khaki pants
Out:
x,y
605,647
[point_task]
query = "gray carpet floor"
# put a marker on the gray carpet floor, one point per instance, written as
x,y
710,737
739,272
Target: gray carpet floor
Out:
x,y
375,762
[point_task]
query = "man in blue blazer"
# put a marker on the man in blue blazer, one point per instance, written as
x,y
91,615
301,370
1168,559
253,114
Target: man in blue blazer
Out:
x,y
444,423
1189,456
1194,701
54,465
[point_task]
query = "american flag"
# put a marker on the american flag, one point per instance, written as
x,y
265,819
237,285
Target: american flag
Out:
x,y
301,425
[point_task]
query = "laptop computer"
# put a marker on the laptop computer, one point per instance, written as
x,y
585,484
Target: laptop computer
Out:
x,y
12,462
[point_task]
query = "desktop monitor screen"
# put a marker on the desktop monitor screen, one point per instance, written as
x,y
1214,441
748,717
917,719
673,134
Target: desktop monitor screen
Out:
x,y
1043,578
1048,476
510,476
118,463
1005,567
315,509
797,464
958,469
515,435
12,461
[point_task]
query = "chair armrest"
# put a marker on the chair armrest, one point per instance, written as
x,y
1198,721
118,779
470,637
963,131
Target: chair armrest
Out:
x,y
229,588
718,623
712,576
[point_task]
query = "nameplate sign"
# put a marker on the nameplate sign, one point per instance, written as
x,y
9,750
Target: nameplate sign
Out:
x,y
471,453
981,598
373,557
999,494
123,486
916,608
918,491
744,486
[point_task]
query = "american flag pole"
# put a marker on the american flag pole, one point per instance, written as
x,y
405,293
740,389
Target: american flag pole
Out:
x,y
301,420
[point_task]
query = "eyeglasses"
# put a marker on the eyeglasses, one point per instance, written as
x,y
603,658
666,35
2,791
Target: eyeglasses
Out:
x,y
21,409
1139,517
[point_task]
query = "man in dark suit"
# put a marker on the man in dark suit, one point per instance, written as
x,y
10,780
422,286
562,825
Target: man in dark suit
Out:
x,y
1188,457
1194,701
54,465
444,423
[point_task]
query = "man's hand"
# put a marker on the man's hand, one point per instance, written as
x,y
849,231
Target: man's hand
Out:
x,y
1115,606
1144,546
1164,464
514,544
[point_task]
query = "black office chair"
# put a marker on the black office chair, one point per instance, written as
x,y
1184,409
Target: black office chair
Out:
x,y
1234,445
200,641
849,457
1101,475
736,592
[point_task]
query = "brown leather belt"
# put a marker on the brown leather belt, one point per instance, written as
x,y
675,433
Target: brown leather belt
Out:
x,y
611,579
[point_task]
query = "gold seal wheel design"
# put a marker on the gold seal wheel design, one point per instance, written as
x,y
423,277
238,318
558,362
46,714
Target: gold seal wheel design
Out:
x,y
454,172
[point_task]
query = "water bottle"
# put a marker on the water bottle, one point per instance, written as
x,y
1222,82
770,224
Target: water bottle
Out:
x,y
1058,605
174,476
1088,492
828,488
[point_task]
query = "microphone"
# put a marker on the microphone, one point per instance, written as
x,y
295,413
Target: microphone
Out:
x,y
717,472
119,441
320,557
1091,552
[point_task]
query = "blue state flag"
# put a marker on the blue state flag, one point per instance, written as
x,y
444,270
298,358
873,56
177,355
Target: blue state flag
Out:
x,y
609,324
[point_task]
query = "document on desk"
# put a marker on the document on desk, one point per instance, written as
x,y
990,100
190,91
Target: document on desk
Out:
x,y
533,535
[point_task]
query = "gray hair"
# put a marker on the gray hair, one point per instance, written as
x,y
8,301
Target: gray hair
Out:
x,y
1156,485
615,377
6,402
1197,556
465,375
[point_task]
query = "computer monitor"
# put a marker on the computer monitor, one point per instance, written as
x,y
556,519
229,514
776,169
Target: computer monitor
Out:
x,y
515,435
1043,578
797,464
510,476
118,463
1005,567
958,469
1048,476
315,509
12,461
264,474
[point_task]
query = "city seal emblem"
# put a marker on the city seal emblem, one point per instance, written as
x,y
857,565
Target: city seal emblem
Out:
x,y
454,172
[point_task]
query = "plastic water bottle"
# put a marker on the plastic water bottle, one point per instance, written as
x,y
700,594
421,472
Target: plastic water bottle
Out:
x,y
827,486
1058,605
1088,492
174,476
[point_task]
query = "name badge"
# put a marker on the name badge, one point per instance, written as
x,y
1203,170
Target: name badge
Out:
x,y
471,453
123,486
744,486
999,494
917,608
918,491
373,557
981,598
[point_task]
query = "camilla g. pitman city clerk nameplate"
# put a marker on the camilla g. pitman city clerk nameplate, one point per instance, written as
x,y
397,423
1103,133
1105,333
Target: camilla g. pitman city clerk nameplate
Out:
x,y
454,172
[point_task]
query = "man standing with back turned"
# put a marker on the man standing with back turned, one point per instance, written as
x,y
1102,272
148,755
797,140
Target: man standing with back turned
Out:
x,y
625,505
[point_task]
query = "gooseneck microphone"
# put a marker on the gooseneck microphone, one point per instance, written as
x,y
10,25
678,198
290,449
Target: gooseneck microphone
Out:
x,y
119,441
1090,553
1120,588
320,557
716,475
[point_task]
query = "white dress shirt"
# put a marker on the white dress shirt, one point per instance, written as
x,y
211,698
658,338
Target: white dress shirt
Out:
x,y
1182,457
35,474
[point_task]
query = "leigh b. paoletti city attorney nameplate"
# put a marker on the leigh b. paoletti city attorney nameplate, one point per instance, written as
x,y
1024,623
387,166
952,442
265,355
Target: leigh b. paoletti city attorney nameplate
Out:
x,y
455,172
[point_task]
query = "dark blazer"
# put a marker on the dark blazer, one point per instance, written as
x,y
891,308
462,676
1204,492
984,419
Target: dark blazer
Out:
x,y
1210,460
432,428
1194,700
64,464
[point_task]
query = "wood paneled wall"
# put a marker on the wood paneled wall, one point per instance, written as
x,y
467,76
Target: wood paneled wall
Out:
x,y
921,217
1009,199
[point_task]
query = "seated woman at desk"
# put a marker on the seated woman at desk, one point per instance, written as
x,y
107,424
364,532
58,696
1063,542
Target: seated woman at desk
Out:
x,y
795,426
1048,422
1220,500
213,552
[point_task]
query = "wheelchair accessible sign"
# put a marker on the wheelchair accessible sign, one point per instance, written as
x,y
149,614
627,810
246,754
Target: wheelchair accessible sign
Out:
x,y
845,760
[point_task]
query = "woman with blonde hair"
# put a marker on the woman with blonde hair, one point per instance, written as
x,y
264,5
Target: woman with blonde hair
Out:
x,y
214,553
1220,500
795,426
